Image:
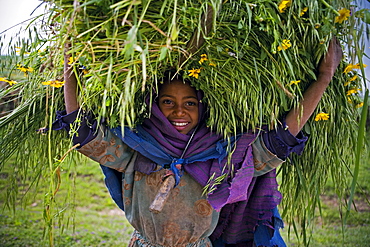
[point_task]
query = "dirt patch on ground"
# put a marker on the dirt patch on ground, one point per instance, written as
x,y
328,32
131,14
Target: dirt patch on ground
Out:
x,y
360,205
113,212
109,212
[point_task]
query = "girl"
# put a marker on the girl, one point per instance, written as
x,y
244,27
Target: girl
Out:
x,y
175,142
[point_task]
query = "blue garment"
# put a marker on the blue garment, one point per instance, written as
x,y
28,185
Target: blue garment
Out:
x,y
262,231
145,144
113,181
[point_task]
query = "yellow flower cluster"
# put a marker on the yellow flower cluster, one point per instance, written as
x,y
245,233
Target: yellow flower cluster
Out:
x,y
304,10
54,83
18,51
25,70
195,72
283,5
11,82
351,80
284,45
322,116
295,82
353,91
203,58
351,67
71,60
343,15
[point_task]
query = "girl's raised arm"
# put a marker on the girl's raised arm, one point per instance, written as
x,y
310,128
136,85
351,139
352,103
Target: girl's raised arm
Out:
x,y
298,116
70,83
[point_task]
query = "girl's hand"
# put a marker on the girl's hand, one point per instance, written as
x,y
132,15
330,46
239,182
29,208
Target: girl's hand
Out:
x,y
331,60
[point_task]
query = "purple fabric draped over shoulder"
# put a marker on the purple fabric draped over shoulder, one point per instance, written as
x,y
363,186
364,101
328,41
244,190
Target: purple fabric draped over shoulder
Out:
x,y
244,200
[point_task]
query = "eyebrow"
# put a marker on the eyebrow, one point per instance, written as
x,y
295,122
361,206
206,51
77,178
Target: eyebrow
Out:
x,y
171,96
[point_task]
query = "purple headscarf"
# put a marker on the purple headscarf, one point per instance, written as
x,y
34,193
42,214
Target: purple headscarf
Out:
x,y
174,142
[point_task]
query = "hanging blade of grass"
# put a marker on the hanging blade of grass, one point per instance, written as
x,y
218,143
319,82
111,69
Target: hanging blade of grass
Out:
x,y
173,29
261,94
359,147
107,86
94,28
123,4
49,198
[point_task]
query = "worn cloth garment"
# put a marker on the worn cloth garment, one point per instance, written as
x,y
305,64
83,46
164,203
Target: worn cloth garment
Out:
x,y
236,222
183,208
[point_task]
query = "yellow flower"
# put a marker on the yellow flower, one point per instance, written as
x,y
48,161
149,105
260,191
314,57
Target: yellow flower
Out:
x,y
25,70
304,10
353,91
349,100
350,80
360,105
285,45
295,82
11,82
203,58
353,78
283,5
358,66
212,64
54,83
322,116
3,79
71,60
343,15
351,67
18,51
194,73
348,68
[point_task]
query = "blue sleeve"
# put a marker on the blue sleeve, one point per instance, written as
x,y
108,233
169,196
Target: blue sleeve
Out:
x,y
282,143
113,181
82,127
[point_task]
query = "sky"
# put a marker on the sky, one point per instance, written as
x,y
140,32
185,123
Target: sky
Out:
x,y
13,12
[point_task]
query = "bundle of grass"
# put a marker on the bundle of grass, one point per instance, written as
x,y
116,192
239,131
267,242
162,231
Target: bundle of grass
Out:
x,y
253,60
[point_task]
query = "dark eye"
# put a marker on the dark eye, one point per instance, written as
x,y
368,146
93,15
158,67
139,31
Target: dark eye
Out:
x,y
191,103
166,101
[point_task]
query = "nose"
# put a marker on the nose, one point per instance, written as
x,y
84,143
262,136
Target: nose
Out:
x,y
178,110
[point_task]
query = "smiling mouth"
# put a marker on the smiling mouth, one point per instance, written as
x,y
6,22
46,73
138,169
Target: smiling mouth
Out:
x,y
179,124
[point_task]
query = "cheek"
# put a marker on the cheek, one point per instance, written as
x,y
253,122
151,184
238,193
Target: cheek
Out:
x,y
195,116
165,110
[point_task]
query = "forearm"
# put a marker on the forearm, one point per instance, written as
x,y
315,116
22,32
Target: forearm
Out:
x,y
297,117
70,85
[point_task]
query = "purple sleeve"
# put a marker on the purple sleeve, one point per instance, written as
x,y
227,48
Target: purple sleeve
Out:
x,y
282,143
86,126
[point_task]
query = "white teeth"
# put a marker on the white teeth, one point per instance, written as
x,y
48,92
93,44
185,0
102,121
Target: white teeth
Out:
x,y
179,124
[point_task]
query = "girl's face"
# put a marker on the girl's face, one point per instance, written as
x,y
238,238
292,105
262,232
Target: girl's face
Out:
x,y
179,104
